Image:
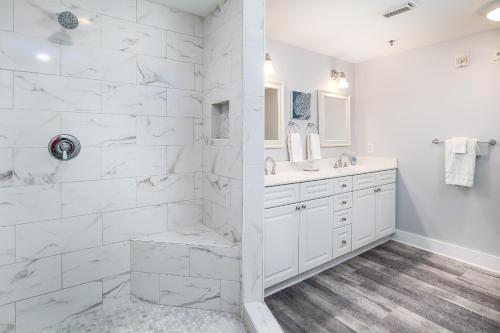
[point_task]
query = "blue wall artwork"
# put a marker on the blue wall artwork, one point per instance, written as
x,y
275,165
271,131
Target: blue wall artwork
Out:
x,y
301,105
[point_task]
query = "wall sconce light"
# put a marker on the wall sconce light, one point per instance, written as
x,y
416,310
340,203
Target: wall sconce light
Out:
x,y
340,78
268,65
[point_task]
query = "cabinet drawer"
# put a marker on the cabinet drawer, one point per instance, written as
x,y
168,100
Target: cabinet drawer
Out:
x,y
281,195
316,189
341,241
342,185
386,177
367,180
342,218
342,201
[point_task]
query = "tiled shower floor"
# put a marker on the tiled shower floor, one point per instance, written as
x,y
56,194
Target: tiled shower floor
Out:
x,y
139,317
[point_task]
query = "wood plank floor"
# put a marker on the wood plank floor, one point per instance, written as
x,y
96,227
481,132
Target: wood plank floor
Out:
x,y
392,288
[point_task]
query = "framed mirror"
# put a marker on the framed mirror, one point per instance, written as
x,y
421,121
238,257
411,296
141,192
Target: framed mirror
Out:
x,y
274,115
334,117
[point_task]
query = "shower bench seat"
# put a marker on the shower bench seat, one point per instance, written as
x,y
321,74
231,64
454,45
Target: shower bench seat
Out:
x,y
191,267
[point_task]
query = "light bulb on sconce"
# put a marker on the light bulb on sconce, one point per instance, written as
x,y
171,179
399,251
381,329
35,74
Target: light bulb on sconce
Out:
x,y
268,65
342,82
492,10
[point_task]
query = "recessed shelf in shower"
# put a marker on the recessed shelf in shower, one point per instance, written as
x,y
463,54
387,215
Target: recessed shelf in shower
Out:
x,y
220,121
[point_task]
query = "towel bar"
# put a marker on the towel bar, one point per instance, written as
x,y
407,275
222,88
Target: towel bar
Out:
x,y
491,142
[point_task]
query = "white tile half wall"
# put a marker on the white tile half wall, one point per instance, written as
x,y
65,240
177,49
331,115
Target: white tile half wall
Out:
x,y
128,85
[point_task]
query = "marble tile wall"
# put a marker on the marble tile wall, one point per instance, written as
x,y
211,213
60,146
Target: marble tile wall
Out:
x,y
128,84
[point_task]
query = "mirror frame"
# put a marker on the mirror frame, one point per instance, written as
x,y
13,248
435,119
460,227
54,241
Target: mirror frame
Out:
x,y
280,143
321,119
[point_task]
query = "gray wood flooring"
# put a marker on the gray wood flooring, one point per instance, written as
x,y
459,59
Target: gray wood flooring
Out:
x,y
392,288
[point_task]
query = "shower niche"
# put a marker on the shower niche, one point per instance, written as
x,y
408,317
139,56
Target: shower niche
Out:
x,y
220,120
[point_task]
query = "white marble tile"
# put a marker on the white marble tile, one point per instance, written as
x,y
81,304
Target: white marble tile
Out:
x,y
48,170
146,286
199,77
156,190
37,313
199,136
7,245
115,291
217,189
129,36
184,47
225,161
184,103
132,160
158,14
226,222
28,128
196,234
6,88
236,195
42,239
253,184
165,72
100,129
253,130
257,315
6,18
190,292
184,213
38,18
81,198
133,99
96,63
8,317
182,159
230,296
56,93
125,9
96,263
198,185
25,53
252,268
30,278
7,176
164,131
215,262
29,203
131,223
156,257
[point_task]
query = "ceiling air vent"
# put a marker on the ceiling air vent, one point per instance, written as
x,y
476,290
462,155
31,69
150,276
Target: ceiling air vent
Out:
x,y
400,10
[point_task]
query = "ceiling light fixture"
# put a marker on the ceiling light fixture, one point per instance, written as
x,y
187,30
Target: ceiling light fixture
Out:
x,y
340,78
268,65
493,13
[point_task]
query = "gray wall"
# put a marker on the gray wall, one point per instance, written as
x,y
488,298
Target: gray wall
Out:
x,y
406,100
302,70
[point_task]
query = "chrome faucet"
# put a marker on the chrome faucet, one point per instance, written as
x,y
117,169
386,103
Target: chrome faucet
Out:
x,y
339,164
273,168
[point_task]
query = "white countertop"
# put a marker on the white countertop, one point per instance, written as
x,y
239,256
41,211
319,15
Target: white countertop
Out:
x,y
288,173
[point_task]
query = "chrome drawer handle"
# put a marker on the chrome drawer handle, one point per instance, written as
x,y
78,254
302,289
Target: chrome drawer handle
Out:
x,y
304,206
297,208
344,185
344,242
344,202
344,219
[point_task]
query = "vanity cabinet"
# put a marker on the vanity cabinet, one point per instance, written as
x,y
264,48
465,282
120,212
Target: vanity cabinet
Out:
x,y
281,244
315,236
311,223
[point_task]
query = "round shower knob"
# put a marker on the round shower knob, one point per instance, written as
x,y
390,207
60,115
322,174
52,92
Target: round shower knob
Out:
x,y
64,147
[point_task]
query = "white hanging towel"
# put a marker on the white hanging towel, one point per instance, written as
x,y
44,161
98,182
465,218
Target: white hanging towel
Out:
x,y
460,161
313,147
295,147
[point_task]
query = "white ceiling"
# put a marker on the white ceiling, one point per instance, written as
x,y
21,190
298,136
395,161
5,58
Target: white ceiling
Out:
x,y
197,7
356,31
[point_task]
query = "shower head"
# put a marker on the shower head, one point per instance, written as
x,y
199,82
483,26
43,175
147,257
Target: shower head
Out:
x,y
67,20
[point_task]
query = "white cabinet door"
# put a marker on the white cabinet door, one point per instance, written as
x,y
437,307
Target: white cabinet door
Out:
x,y
341,241
316,238
281,244
363,218
386,210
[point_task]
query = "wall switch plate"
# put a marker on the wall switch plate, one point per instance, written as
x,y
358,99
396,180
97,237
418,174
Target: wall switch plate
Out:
x,y
461,60
370,148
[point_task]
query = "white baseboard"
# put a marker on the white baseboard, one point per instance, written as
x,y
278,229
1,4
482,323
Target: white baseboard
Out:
x,y
469,256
